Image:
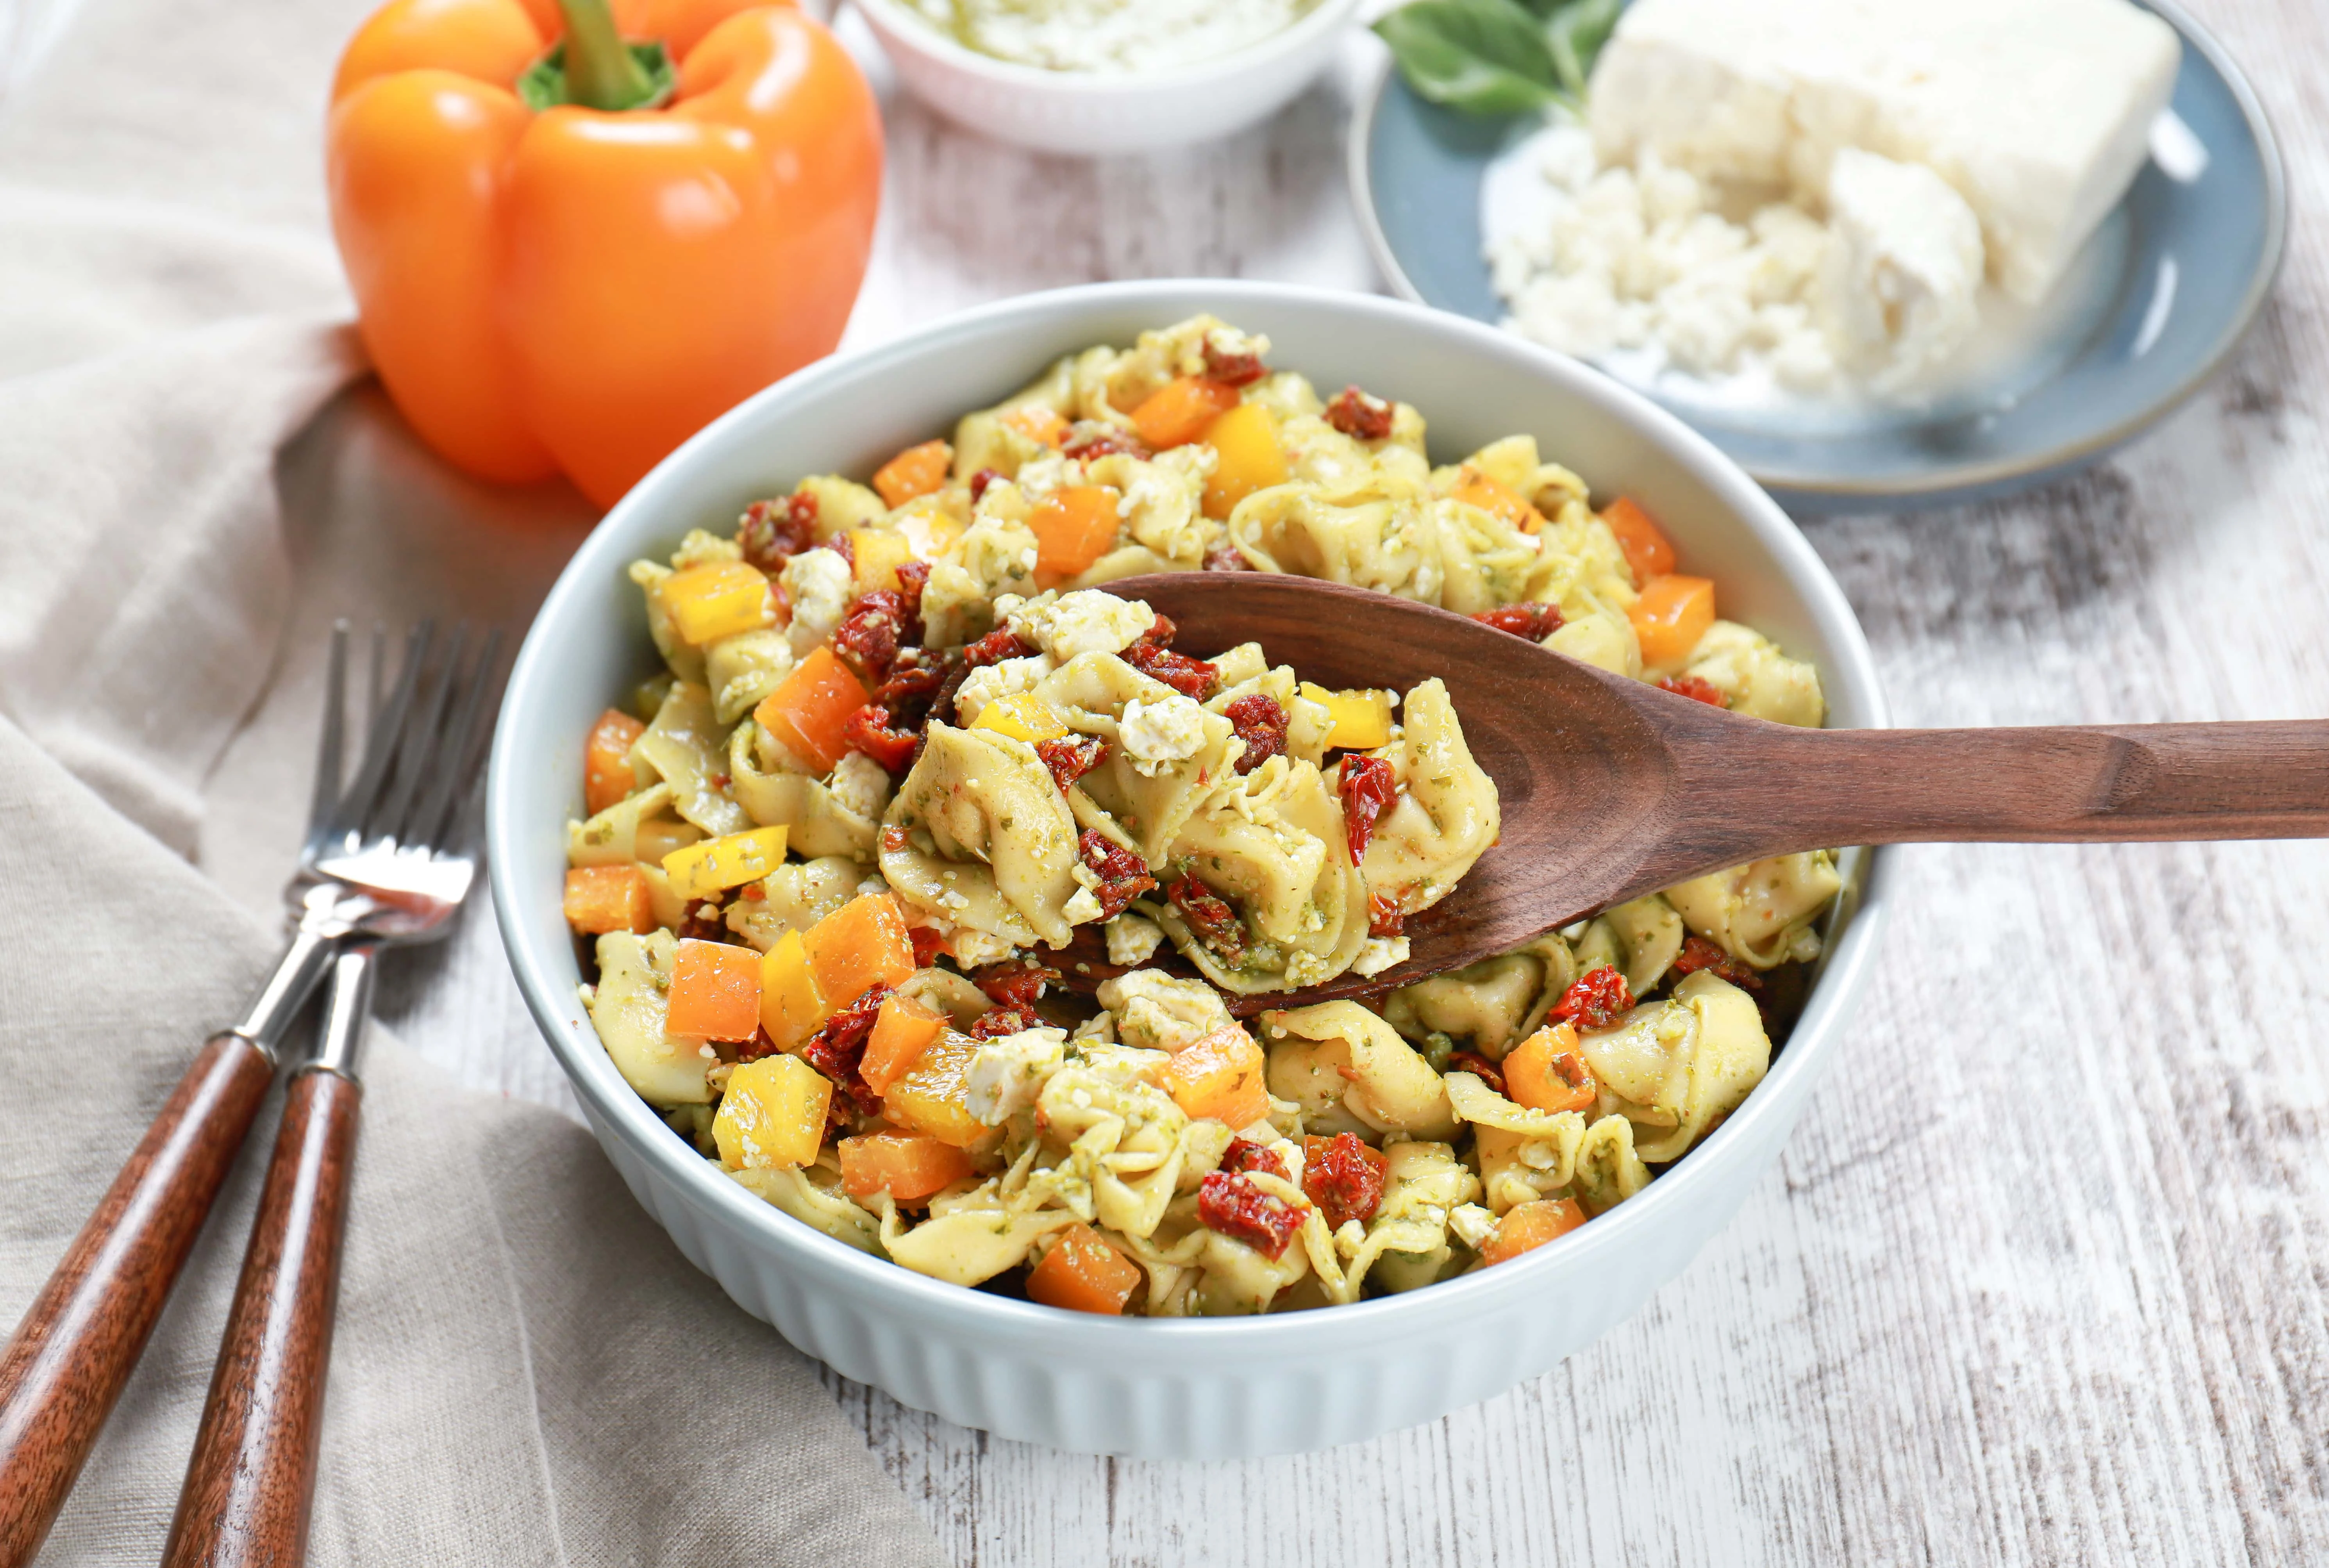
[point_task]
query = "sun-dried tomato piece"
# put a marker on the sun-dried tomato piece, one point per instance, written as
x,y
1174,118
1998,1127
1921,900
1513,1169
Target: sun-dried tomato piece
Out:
x,y
980,481
1533,620
1018,983
913,685
1091,438
1122,874
1260,723
869,731
837,1049
843,545
1479,1066
998,1021
929,945
759,1045
1370,785
1215,923
1190,677
1344,1178
1071,756
912,578
1596,1000
876,626
1698,953
1227,558
703,922
771,532
1232,370
1698,689
996,647
1160,633
1362,416
1244,1154
1232,1205
1385,916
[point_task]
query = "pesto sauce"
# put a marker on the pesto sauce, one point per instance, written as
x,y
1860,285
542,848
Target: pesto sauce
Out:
x,y
1110,35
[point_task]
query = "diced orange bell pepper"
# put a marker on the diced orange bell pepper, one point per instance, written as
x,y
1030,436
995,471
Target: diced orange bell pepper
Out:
x,y
810,707
1648,552
1083,1274
907,1166
715,992
1475,488
1529,1226
1044,426
934,1097
1545,1073
902,1030
606,775
603,898
916,471
1178,412
1073,528
1670,617
1248,456
1220,1076
772,1114
860,945
791,1007
505,224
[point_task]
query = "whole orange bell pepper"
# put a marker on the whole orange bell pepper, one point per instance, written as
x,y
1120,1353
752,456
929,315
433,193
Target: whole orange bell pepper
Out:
x,y
572,259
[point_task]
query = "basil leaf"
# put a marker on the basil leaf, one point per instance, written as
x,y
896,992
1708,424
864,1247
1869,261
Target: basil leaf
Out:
x,y
1574,36
1487,56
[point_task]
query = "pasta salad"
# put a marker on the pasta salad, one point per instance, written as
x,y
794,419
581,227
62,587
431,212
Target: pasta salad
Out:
x,y
904,744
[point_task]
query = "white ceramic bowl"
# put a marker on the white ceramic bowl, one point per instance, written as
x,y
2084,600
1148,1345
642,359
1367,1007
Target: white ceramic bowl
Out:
x,y
1091,114
1185,1390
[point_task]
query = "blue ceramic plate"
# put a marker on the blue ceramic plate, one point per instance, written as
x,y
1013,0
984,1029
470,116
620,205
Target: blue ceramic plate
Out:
x,y
2186,264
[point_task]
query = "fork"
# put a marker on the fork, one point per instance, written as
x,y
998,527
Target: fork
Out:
x,y
67,1362
251,1477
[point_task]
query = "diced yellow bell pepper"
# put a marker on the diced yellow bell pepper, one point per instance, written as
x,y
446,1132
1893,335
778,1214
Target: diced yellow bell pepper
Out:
x,y
718,599
1024,717
702,869
928,531
1245,441
772,1114
1362,718
934,1097
792,1008
879,553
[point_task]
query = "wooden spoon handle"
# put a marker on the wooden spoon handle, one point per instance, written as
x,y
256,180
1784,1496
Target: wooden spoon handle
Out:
x,y
253,1471
1801,789
67,1360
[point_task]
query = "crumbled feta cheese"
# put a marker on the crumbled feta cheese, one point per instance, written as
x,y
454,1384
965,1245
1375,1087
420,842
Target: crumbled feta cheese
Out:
x,y
975,949
1378,953
860,785
1008,1072
1086,621
1131,938
992,682
1471,1225
1156,734
1081,908
1156,1011
1898,290
817,583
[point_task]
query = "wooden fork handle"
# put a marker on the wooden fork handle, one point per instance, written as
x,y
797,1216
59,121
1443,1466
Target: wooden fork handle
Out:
x,y
1800,789
67,1360
253,1471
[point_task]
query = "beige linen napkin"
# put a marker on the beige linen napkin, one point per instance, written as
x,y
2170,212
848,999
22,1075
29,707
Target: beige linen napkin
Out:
x,y
526,1371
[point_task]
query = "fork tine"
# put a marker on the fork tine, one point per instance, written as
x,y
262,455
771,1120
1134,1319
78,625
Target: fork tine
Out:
x,y
418,745
460,760
387,722
327,789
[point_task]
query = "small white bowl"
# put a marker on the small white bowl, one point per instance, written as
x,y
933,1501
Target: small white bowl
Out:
x,y
1092,113
1225,1388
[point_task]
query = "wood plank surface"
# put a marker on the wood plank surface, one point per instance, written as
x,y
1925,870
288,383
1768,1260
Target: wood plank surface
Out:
x,y
2044,1275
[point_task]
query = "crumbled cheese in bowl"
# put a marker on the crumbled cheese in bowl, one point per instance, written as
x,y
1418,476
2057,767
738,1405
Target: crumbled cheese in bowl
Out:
x,y
1110,35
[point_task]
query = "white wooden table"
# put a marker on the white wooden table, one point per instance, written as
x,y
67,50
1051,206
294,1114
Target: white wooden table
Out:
x,y
2044,1276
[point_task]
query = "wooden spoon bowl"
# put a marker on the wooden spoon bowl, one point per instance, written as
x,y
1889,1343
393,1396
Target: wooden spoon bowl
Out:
x,y
1611,788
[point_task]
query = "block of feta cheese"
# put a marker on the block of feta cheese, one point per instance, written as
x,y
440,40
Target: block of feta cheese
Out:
x,y
2037,111
1900,285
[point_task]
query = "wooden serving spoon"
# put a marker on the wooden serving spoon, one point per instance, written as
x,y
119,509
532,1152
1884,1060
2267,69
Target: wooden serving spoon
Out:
x,y
1611,788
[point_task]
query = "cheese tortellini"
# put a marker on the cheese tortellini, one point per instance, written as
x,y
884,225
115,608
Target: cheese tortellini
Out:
x,y
904,749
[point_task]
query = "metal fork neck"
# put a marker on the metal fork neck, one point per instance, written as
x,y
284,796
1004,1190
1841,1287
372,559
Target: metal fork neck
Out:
x,y
279,1000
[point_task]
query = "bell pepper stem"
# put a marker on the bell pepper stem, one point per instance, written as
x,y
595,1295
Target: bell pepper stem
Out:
x,y
602,71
